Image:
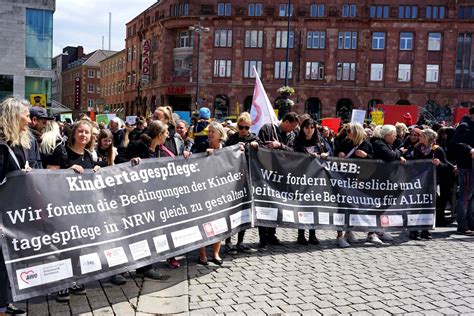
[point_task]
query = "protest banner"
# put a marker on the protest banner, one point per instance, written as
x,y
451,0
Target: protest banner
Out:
x,y
71,227
358,116
333,123
395,113
297,190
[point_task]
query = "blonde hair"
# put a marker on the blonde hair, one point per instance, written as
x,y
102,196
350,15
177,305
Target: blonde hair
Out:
x,y
220,130
358,133
401,128
49,138
430,135
10,111
244,117
376,131
168,113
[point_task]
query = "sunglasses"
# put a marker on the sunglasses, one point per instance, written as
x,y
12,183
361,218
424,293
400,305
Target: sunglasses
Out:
x,y
244,127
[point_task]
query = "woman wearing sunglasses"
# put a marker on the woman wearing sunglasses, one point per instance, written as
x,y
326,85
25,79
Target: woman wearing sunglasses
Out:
x,y
244,137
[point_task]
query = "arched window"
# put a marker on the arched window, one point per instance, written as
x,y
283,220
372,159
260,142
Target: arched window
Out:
x,y
313,106
403,102
248,103
344,109
221,106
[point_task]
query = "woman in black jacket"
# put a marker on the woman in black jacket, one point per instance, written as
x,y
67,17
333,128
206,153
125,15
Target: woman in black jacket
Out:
x,y
427,149
14,141
354,145
243,136
309,141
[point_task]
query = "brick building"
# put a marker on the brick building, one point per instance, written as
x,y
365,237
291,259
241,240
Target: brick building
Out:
x,y
112,84
81,82
342,54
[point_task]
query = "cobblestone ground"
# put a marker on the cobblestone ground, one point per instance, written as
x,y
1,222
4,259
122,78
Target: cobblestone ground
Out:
x,y
405,277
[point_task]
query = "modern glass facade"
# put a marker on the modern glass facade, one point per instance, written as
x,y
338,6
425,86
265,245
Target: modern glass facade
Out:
x,y
35,85
6,86
39,39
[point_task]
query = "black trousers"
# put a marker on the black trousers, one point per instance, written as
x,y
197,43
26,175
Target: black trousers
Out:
x,y
266,233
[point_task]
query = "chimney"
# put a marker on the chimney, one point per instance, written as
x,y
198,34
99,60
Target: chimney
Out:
x,y
80,51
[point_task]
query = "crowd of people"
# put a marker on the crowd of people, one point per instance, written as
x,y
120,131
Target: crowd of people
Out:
x,y
29,138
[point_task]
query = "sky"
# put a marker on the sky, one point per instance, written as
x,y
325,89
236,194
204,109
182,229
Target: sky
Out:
x,y
84,22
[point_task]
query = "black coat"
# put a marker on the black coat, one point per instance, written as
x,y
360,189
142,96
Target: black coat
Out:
x,y
7,163
347,145
384,151
462,144
267,133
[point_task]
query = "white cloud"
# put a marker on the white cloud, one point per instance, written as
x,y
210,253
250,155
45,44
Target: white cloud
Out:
x,y
85,22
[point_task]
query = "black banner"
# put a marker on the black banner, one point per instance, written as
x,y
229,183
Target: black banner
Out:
x,y
61,227
297,190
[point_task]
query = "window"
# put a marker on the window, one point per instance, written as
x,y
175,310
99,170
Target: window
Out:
x,y
255,9
347,40
98,73
6,86
222,68
282,38
90,103
314,71
435,12
407,12
254,38
376,72
129,54
134,53
134,77
434,41
90,88
432,73
466,12
39,39
378,40
184,39
284,10
316,40
380,11
129,78
91,73
248,68
404,72
223,38
317,10
349,10
224,9
345,71
464,76
280,69
406,41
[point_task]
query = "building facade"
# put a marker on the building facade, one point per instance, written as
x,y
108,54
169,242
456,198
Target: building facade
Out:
x,y
112,84
341,55
26,34
81,82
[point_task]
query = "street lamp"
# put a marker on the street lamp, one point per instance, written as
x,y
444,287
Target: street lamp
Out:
x,y
198,29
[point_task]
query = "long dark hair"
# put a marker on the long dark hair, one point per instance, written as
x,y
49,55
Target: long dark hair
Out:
x,y
105,133
301,137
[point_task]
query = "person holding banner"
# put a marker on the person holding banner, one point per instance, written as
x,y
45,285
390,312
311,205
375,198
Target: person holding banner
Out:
x,y
243,137
279,137
309,141
105,149
183,131
216,138
427,149
74,156
14,141
354,146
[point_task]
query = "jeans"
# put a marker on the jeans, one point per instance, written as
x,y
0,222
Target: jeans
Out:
x,y
464,207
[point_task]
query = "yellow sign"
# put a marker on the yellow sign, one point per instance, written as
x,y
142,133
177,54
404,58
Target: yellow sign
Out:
x,y
377,117
38,100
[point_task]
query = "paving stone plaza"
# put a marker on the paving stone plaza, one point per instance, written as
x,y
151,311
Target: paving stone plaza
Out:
x,y
404,277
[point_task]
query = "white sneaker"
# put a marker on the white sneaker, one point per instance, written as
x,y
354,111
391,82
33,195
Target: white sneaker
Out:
x,y
342,242
350,237
385,236
374,239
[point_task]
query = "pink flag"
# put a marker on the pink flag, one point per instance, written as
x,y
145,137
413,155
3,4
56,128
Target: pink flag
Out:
x,y
262,110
